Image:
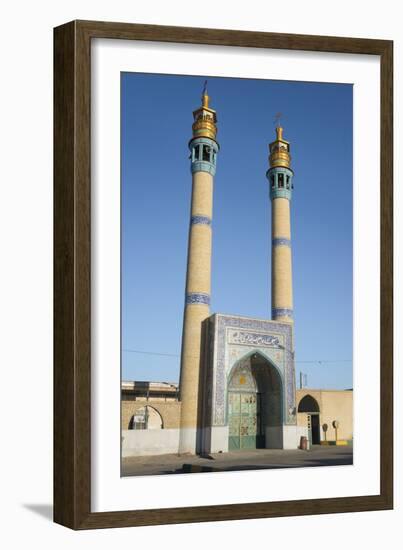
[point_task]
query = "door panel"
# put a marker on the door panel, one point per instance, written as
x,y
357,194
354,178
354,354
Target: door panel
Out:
x,y
315,429
243,419
234,409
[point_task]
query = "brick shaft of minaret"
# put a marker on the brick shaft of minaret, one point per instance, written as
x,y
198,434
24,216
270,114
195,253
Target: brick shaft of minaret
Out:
x,y
204,150
281,284
280,180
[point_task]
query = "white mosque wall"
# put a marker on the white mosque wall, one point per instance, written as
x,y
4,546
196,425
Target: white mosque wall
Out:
x,y
292,436
219,439
149,442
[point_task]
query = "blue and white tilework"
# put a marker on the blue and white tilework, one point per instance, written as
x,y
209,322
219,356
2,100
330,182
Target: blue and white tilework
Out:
x,y
226,355
282,312
200,220
281,241
197,298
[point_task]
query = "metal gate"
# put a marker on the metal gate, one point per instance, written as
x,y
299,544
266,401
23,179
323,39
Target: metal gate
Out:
x,y
243,419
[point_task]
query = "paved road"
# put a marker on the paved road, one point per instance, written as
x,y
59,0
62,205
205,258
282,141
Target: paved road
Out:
x,y
239,460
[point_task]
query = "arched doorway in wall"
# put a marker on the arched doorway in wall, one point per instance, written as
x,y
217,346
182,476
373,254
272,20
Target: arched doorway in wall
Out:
x,y
254,404
310,406
146,418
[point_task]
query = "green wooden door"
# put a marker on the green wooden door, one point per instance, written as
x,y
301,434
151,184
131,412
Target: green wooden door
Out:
x,y
243,419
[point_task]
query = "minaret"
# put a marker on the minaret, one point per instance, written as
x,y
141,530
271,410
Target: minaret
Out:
x,y
280,180
204,148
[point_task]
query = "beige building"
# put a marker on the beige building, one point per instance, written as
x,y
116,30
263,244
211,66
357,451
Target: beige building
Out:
x,y
319,410
150,416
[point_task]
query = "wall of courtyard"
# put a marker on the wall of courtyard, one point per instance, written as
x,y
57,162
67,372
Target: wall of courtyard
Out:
x,y
333,405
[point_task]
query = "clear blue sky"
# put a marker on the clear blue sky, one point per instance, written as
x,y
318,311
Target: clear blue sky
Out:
x,y
156,191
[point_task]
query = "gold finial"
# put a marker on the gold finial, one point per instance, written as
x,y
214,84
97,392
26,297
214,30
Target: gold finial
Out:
x,y
204,118
280,148
277,118
205,97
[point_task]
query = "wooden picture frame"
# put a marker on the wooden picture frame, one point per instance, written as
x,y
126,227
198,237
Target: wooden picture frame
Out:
x,y
72,271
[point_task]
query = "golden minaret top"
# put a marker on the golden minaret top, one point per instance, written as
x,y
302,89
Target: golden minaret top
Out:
x,y
205,118
279,150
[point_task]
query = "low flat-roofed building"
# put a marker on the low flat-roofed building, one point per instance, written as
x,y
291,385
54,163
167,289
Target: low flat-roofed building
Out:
x,y
153,408
324,408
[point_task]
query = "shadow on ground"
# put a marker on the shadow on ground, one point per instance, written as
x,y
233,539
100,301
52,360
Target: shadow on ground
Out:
x,y
44,510
316,458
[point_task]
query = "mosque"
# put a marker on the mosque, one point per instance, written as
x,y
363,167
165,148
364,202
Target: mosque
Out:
x,y
237,387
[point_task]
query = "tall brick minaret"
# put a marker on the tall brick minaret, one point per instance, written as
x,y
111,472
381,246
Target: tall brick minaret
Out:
x,y
280,179
204,148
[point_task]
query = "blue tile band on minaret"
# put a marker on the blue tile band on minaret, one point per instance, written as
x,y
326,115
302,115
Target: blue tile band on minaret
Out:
x,y
282,312
281,241
197,298
200,220
203,155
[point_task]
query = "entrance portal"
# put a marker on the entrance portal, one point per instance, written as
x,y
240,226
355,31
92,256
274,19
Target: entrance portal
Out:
x,y
254,405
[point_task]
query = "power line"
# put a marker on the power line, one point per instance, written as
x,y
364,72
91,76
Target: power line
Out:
x,y
326,361
161,354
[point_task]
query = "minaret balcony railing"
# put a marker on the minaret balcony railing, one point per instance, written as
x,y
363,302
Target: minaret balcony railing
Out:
x,y
280,182
203,155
